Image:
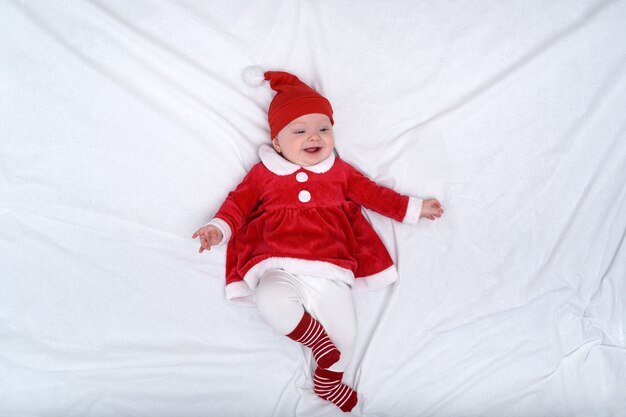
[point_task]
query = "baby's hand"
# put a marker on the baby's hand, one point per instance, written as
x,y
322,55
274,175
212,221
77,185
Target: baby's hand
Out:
x,y
209,235
431,209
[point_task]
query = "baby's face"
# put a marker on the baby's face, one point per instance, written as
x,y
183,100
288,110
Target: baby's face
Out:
x,y
307,140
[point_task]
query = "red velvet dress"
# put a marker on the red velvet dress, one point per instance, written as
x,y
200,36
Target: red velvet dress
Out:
x,y
308,220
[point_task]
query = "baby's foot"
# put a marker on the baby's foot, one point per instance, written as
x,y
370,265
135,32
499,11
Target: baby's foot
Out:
x,y
311,334
328,386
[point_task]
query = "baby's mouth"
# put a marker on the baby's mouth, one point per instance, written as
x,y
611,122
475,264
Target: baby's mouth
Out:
x,y
313,149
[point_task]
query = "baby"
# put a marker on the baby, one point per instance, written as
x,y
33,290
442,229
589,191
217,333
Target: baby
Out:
x,y
298,243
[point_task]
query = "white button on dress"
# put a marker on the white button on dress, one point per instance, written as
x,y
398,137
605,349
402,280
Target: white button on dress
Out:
x,y
301,177
304,196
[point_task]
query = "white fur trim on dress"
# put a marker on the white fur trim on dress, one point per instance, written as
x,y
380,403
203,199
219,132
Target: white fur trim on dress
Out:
x,y
299,267
280,166
376,281
224,228
240,293
413,210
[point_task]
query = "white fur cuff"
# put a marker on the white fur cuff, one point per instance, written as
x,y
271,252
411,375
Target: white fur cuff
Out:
x,y
224,228
413,210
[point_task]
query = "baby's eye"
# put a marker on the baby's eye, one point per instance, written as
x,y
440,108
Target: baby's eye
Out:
x,y
324,129
299,132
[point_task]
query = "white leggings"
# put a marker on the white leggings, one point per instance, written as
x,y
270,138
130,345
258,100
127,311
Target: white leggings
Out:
x,y
282,299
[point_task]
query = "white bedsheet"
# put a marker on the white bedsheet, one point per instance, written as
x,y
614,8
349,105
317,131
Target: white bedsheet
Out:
x,y
123,125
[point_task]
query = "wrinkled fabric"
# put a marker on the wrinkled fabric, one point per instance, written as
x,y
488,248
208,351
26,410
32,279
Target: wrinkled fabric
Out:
x,y
123,125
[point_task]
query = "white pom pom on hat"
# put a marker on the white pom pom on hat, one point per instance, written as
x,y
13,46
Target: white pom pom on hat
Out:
x,y
254,76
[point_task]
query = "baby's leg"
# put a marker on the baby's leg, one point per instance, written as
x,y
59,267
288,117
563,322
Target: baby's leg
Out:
x,y
279,298
331,302
279,301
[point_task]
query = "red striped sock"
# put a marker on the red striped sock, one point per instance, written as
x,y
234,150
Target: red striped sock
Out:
x,y
328,386
311,334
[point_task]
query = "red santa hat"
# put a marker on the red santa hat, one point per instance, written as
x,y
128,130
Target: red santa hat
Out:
x,y
293,97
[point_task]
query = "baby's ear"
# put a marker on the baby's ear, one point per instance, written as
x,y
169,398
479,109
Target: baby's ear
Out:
x,y
276,145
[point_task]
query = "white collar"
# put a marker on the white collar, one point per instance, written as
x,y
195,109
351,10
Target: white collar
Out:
x,y
280,166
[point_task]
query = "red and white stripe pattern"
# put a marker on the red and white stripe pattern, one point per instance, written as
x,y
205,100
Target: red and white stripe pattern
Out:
x,y
311,334
327,385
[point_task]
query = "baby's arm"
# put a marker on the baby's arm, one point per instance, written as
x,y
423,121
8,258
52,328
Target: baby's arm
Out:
x,y
232,214
388,202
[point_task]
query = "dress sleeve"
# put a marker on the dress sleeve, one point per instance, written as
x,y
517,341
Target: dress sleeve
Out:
x,y
383,200
238,205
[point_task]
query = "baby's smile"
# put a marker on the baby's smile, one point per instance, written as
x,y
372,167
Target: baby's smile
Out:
x,y
306,140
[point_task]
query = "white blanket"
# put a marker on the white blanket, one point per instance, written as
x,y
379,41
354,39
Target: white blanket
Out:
x,y
123,125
